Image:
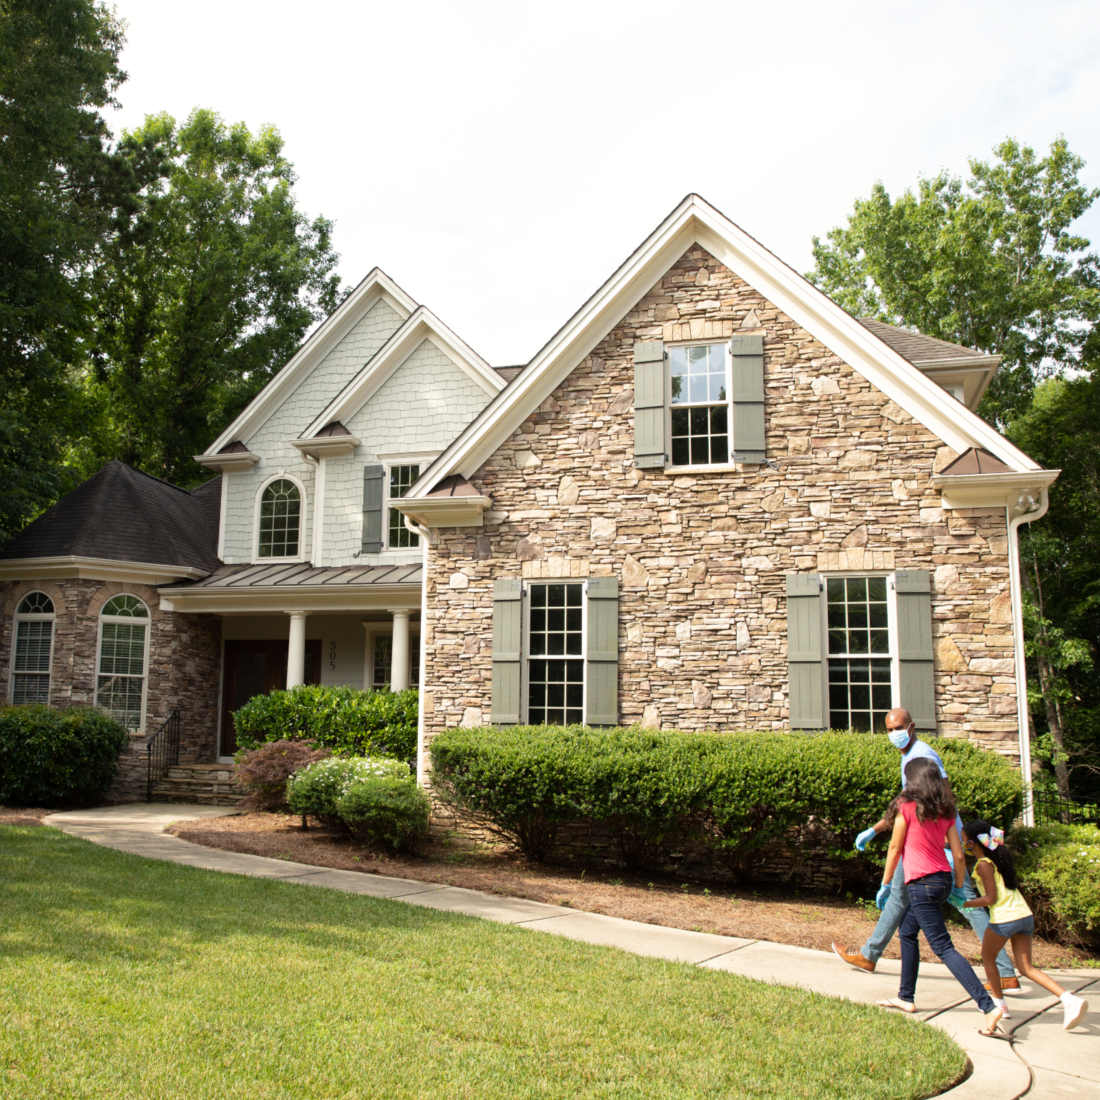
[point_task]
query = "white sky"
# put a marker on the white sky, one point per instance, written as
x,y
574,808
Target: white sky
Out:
x,y
500,160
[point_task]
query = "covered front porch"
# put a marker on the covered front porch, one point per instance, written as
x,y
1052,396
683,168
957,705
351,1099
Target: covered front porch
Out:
x,y
284,626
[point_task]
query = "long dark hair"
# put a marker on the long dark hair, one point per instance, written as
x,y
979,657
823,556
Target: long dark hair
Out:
x,y
1001,856
928,789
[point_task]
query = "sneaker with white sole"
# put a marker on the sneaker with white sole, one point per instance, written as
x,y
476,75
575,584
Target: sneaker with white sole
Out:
x,y
1075,1008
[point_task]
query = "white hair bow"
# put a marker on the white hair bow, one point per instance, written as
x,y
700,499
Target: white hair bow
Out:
x,y
993,839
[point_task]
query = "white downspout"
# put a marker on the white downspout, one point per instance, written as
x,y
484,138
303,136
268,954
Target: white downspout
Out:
x,y
421,762
1031,512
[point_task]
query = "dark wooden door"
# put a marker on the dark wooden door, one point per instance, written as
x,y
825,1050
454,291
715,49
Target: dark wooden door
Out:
x,y
255,668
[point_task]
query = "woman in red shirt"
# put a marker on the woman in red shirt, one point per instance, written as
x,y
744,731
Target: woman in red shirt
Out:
x,y
925,819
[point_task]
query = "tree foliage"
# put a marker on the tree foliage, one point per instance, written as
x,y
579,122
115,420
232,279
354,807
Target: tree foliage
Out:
x,y
991,263
201,293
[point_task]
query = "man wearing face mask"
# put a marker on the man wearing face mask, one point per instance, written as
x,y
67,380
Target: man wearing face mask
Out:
x,y
893,900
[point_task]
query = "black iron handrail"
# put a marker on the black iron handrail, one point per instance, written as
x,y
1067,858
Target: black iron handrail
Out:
x,y
162,752
1049,809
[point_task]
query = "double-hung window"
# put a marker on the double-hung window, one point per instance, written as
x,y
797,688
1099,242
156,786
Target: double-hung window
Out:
x,y
555,654
33,649
699,404
860,652
123,660
399,482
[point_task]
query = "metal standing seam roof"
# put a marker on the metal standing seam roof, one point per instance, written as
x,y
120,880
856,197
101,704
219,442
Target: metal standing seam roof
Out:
x,y
301,575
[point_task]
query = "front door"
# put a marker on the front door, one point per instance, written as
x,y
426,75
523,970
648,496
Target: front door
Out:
x,y
255,668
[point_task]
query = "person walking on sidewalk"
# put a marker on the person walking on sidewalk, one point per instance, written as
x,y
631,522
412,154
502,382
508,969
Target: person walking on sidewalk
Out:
x,y
925,819
1010,918
903,736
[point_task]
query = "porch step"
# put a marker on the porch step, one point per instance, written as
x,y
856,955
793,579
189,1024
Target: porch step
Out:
x,y
199,785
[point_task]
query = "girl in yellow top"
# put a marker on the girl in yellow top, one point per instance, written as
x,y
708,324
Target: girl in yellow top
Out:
x,y
1010,917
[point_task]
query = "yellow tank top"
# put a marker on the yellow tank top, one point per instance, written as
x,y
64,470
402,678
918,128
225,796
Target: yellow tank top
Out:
x,y
1010,904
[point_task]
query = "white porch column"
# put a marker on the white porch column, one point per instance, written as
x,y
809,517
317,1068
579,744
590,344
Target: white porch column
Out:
x,y
399,655
296,654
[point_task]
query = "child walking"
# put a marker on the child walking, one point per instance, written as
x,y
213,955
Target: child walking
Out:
x,y
1010,918
925,819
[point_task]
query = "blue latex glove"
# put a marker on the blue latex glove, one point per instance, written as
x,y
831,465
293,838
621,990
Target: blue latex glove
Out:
x,y
864,839
883,896
957,898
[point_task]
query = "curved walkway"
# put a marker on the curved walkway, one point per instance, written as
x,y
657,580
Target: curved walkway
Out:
x,y
1041,1061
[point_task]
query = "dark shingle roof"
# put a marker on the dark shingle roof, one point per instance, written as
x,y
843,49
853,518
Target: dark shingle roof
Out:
x,y
508,373
915,346
121,514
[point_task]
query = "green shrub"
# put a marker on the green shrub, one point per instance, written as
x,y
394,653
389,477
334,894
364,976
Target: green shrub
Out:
x,y
315,790
1059,871
53,757
739,792
347,721
385,812
264,772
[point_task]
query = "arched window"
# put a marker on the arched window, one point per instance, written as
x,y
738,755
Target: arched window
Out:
x,y
32,654
280,520
123,660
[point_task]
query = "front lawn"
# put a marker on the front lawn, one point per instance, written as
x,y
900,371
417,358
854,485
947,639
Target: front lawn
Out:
x,y
123,977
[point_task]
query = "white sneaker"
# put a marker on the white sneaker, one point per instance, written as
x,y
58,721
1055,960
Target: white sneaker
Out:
x,y
1075,1010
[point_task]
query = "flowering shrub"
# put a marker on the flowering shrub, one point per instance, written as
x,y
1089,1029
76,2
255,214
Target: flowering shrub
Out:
x,y
315,790
390,812
1059,871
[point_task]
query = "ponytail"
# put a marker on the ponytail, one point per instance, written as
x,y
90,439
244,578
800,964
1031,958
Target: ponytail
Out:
x,y
1001,856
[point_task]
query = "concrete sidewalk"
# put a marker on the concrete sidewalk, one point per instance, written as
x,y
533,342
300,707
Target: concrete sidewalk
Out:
x,y
1039,1060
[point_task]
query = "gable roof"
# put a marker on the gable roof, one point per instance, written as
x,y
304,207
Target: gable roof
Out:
x,y
421,325
919,349
121,514
695,221
317,345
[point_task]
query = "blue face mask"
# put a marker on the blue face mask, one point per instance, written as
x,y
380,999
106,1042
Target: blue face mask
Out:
x,y
899,738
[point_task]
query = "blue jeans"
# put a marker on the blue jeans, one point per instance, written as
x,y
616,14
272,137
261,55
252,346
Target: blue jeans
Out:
x,y
927,896
895,908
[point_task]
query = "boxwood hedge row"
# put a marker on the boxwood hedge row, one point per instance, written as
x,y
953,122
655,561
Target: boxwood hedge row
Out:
x,y
736,792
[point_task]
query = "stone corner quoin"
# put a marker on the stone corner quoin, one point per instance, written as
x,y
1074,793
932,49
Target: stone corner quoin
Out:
x,y
702,559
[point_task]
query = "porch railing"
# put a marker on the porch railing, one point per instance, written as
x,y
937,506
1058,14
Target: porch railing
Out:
x,y
162,752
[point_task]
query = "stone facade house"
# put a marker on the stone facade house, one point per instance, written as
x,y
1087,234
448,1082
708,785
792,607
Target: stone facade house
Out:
x,y
713,500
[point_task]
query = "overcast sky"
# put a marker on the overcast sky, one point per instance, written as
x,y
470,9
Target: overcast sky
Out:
x,y
500,160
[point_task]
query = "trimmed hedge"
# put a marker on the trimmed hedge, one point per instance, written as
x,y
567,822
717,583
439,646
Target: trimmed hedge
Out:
x,y
54,757
316,789
1059,871
736,792
346,720
386,812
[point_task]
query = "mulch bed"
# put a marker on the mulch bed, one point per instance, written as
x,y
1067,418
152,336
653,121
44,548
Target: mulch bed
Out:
x,y
777,915
21,816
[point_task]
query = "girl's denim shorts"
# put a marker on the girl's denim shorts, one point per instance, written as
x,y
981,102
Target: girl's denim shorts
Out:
x,y
1011,928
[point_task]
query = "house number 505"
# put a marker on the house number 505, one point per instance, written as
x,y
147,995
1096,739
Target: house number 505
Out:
x,y
332,655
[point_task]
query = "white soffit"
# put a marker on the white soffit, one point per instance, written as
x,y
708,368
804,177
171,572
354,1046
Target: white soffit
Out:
x,y
328,334
419,326
696,221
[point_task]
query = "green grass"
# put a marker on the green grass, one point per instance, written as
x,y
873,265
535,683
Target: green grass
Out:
x,y
123,977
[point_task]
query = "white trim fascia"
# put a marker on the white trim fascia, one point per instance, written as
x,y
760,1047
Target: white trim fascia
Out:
x,y
238,462
319,514
966,362
407,458
96,569
317,345
696,221
223,513
991,490
420,326
326,446
277,600
444,511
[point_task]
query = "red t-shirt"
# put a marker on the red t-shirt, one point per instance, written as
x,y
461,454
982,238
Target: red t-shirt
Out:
x,y
923,852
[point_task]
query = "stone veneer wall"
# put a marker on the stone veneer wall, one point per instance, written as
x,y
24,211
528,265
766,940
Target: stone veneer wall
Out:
x,y
702,558
184,666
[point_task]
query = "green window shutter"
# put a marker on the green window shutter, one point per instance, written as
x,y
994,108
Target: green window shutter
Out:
x,y
748,398
602,653
649,404
373,526
507,642
915,655
805,664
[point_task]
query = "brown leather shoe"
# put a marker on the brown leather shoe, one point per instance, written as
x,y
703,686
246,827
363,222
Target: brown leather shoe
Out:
x,y
1008,985
855,958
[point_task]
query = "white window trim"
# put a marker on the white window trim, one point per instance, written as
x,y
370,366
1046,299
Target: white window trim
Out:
x,y
382,629
129,620
891,626
525,652
423,459
709,468
302,555
32,618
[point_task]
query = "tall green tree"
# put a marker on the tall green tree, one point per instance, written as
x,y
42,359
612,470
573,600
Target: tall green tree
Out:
x,y
60,184
201,292
991,263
